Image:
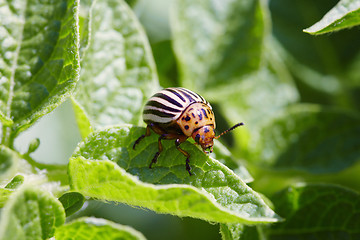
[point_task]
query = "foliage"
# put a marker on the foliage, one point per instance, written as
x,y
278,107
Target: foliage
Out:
x,y
297,94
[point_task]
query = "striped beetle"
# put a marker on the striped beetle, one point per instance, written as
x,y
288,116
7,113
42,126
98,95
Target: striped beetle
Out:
x,y
178,113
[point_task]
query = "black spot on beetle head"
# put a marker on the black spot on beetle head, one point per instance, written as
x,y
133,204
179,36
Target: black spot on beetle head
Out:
x,y
186,127
197,138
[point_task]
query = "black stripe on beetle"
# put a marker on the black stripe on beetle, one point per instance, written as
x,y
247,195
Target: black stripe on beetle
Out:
x,y
188,97
165,114
159,113
177,94
162,106
203,110
168,98
192,93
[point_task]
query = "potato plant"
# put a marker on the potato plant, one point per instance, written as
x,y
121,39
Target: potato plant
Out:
x,y
290,70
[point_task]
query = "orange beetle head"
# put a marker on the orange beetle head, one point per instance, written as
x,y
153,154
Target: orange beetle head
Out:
x,y
204,137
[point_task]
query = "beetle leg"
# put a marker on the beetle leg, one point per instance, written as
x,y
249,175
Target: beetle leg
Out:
x,y
147,133
154,160
178,141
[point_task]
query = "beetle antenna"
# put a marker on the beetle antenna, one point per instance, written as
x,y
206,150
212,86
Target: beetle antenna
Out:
x,y
230,129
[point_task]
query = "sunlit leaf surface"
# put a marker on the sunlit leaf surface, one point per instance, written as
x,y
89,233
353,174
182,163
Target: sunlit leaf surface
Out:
x,y
213,193
39,59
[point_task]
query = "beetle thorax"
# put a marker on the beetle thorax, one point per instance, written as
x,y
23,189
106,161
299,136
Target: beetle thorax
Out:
x,y
195,116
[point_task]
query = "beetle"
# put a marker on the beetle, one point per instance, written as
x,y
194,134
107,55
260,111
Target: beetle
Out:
x,y
178,113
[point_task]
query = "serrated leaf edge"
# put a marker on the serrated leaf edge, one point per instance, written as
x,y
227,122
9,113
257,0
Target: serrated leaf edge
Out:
x,y
208,196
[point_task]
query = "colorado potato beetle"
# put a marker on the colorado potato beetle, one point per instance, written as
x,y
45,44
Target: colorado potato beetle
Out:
x,y
178,113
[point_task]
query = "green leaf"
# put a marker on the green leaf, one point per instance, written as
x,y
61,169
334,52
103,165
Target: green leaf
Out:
x,y
84,25
213,193
15,182
8,162
239,231
131,3
118,71
82,119
317,212
216,43
9,189
39,60
308,138
223,155
31,214
72,202
34,144
257,95
329,55
96,229
4,196
345,14
6,121
254,101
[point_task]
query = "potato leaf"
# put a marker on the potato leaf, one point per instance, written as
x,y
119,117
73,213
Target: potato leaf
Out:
x,y
310,139
96,229
8,162
72,202
118,69
345,14
317,211
217,42
39,60
239,231
105,166
31,214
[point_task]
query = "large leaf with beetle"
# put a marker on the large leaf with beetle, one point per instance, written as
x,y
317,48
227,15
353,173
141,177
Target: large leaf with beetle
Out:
x,y
105,166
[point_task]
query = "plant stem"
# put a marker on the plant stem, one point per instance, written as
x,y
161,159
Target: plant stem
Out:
x,y
7,139
42,166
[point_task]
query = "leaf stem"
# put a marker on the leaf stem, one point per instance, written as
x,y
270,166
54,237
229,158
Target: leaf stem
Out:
x,y
42,166
7,138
